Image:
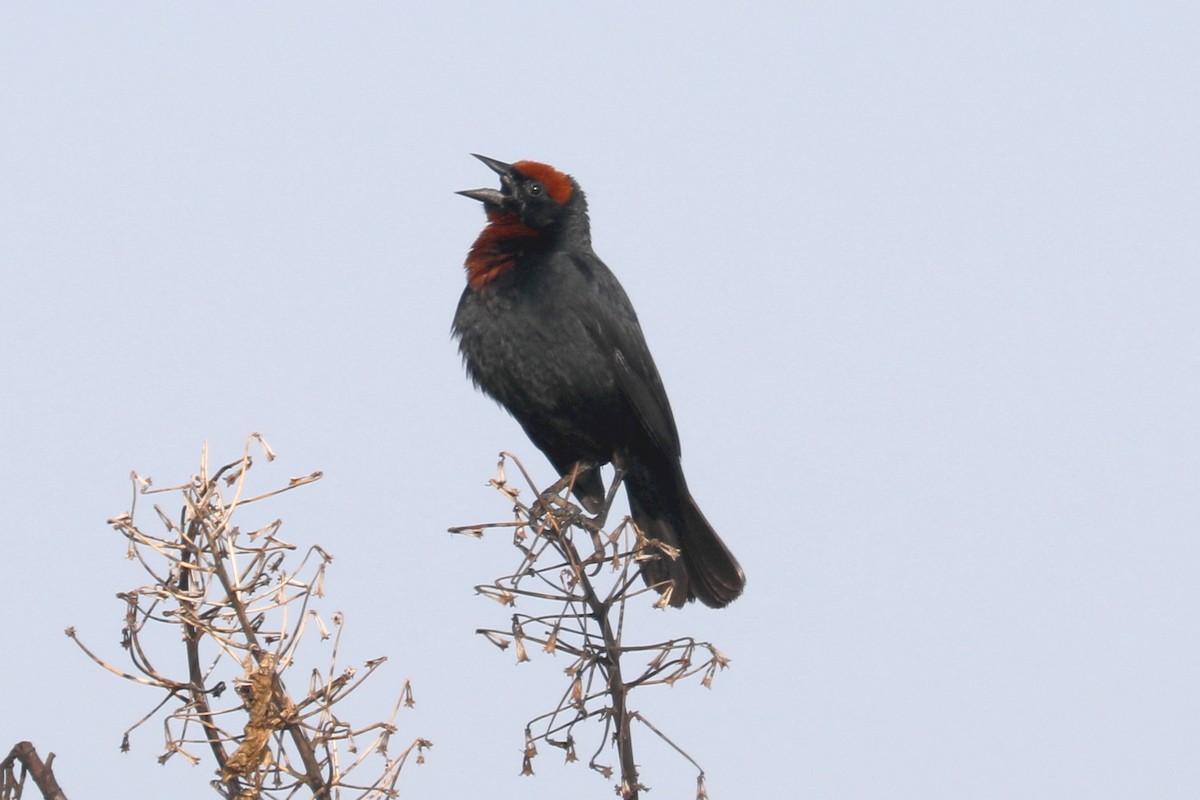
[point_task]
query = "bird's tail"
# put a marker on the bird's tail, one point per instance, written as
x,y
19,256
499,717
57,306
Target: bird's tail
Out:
x,y
705,570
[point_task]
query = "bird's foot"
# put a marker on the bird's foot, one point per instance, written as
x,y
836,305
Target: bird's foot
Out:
x,y
552,503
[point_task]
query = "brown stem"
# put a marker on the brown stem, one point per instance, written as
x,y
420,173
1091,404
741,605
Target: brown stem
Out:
x,y
41,772
312,766
617,690
192,636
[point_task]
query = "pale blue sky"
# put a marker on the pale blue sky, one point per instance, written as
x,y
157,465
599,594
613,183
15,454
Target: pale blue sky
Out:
x,y
922,281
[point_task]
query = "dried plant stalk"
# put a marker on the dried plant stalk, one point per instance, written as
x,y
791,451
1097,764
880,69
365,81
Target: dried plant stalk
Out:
x,y
240,602
12,780
584,599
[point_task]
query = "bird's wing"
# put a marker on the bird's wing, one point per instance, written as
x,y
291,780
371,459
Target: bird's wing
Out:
x,y
646,394
617,330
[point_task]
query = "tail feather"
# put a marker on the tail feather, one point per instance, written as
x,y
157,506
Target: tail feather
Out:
x,y
705,570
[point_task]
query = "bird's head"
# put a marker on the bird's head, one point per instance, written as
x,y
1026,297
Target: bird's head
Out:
x,y
536,194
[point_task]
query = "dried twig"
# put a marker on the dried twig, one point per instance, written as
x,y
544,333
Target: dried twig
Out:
x,y
587,598
243,607
12,785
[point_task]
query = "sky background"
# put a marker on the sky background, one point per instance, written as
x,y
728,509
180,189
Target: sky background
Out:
x,y
922,281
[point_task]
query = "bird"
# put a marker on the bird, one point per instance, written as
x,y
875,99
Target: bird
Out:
x,y
546,330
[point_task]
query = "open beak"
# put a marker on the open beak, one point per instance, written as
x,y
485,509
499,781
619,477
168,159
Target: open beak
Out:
x,y
492,196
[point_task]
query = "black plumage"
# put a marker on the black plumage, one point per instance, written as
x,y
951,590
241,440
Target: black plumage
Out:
x,y
546,330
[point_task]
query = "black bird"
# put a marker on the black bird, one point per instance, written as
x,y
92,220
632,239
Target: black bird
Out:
x,y
547,331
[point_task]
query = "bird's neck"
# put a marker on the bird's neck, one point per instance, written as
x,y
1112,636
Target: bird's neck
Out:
x,y
501,243
506,240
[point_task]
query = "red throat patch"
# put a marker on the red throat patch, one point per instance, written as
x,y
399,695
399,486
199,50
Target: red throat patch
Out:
x,y
557,184
496,250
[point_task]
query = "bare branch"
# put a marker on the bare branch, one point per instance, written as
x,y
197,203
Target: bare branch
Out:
x,y
588,597
242,608
42,773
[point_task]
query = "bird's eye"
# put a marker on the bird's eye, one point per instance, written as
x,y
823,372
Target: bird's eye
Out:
x,y
535,189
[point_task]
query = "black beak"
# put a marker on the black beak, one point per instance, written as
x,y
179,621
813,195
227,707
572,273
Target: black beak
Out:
x,y
492,196
499,167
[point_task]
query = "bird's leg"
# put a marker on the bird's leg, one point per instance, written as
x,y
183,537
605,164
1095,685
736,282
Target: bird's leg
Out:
x,y
549,498
551,503
601,517
595,525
